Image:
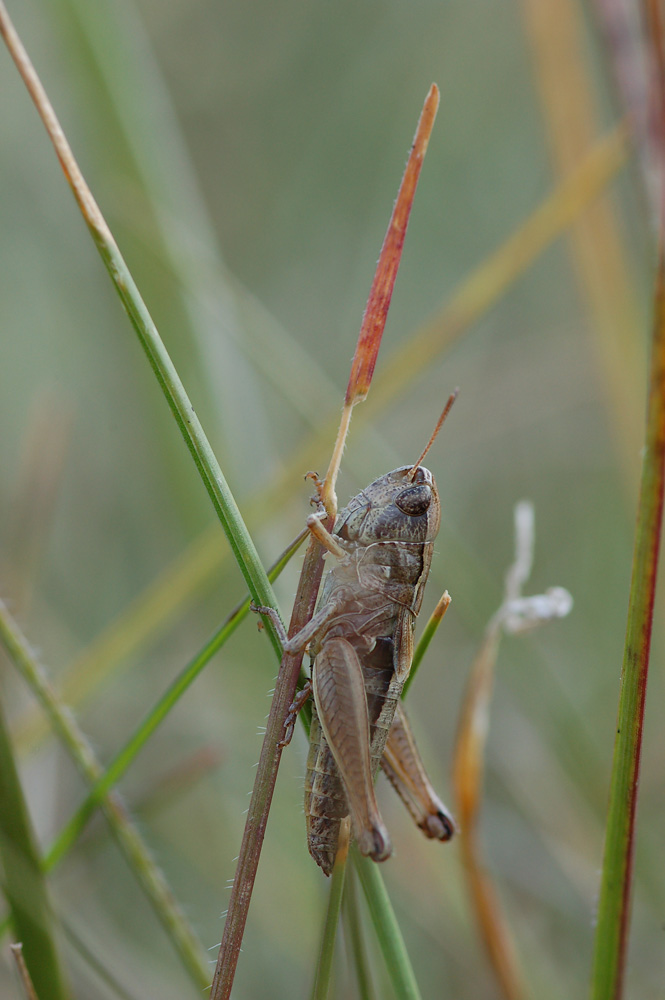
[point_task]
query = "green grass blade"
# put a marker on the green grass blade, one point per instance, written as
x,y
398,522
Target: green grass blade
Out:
x,y
387,929
616,882
24,882
103,785
181,407
429,631
214,301
356,937
152,720
130,841
147,614
329,936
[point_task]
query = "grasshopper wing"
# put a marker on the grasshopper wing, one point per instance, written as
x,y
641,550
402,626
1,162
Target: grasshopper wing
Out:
x,y
341,702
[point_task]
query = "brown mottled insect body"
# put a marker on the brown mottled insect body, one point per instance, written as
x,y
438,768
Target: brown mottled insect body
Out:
x,y
326,803
361,642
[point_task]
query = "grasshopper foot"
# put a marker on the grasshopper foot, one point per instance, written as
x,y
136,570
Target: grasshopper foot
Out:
x,y
318,483
375,843
439,827
261,609
294,708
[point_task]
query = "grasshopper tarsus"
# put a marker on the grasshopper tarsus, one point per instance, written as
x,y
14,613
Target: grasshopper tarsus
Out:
x,y
278,624
294,710
318,483
438,827
317,499
375,843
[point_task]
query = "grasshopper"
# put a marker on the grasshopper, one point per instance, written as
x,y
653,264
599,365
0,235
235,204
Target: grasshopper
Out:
x,y
360,642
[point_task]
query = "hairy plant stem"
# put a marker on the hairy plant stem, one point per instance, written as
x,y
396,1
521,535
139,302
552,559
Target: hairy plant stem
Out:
x,y
266,776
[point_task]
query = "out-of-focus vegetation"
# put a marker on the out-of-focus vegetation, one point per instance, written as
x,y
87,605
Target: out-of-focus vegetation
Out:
x,y
246,157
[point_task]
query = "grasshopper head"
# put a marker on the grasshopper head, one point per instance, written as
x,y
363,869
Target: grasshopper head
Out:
x,y
402,506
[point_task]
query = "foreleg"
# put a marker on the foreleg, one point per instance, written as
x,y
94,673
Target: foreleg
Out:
x,y
298,642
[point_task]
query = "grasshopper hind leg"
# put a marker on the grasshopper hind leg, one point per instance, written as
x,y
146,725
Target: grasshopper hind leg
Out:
x,y
402,765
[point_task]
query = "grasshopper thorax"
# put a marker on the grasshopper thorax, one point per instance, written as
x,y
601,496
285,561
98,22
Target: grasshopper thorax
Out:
x,y
401,506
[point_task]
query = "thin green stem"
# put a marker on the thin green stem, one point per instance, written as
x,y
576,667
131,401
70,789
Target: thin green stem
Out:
x,y
129,839
433,623
24,882
100,791
387,929
181,407
323,975
157,714
355,936
616,882
613,924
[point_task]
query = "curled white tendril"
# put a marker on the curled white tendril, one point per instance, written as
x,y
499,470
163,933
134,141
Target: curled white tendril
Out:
x,y
517,613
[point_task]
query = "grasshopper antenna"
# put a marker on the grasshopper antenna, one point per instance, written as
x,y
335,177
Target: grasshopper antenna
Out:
x,y
446,411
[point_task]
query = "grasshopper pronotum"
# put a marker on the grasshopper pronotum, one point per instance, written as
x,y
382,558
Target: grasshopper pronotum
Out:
x,y
361,644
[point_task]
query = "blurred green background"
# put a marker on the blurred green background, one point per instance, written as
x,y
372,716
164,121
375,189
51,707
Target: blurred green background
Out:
x,y
246,157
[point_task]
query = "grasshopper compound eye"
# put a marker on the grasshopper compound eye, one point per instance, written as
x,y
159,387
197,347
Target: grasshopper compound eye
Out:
x,y
414,500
